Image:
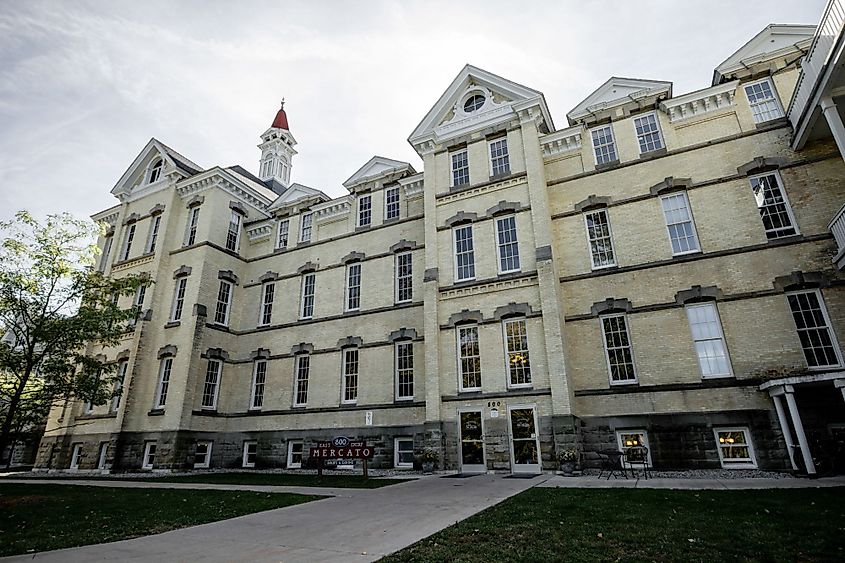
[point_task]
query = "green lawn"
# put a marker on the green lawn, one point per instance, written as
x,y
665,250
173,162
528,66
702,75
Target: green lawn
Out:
x,y
39,516
283,479
646,525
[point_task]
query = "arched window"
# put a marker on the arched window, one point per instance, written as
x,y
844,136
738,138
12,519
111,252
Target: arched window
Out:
x,y
155,170
283,168
267,166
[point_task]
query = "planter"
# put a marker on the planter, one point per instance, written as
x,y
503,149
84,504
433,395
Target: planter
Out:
x,y
428,467
567,468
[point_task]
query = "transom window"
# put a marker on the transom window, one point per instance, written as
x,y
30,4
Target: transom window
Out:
x,y
365,210
127,242
604,146
148,461
460,168
284,230
350,375
735,449
464,253
268,294
306,307
250,454
153,236
813,324
391,203
259,378
163,382
499,159
202,455
648,133
599,238
404,370
353,287
474,103
516,353
211,385
773,204
178,299
763,102
305,227
295,450
507,244
233,235
469,358
404,277
617,347
709,340
224,302
300,392
193,220
403,449
679,223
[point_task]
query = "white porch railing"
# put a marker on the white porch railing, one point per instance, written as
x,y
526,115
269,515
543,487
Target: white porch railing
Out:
x,y
837,227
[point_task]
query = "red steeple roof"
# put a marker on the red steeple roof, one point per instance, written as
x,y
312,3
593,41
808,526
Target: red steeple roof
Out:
x,y
281,121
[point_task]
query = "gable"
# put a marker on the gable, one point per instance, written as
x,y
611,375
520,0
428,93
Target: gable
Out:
x,y
618,91
173,164
378,167
773,41
297,192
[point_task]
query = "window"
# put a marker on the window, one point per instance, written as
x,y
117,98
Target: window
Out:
x,y
404,277
473,103
163,382
679,223
300,392
516,353
140,295
600,240
350,375
118,385
604,146
391,203
224,301
295,450
735,449
305,227
709,340
499,160
250,454
507,244
284,230
211,385
469,359
104,259
814,330
127,242
773,204
268,292
365,210
153,236
617,348
233,235
306,308
460,168
193,220
353,287
148,461
202,455
155,171
102,455
178,299
464,253
403,452
76,453
404,370
648,133
761,98
633,438
259,378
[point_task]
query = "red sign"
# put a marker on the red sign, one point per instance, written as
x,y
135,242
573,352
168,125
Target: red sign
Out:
x,y
342,448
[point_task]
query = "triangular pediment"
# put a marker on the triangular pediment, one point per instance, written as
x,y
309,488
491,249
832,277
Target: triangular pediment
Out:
x,y
498,98
377,168
136,176
773,41
619,91
298,192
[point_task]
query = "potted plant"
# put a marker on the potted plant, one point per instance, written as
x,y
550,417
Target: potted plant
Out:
x,y
429,460
568,459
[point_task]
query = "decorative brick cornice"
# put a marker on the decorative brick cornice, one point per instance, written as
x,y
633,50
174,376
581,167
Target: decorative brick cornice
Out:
x,y
167,351
403,245
460,218
761,164
238,207
182,271
217,354
307,268
157,209
352,257
132,218
670,184
464,317
611,305
227,275
592,202
269,277
402,334
350,342
504,207
195,201
801,280
512,310
260,354
122,355
302,348
697,294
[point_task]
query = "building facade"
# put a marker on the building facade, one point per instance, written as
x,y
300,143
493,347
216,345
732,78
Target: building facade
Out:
x,y
660,271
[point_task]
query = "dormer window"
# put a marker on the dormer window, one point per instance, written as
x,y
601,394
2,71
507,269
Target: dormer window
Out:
x,y
474,103
155,170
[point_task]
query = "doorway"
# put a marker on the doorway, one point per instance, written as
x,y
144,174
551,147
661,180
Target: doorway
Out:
x,y
525,441
471,441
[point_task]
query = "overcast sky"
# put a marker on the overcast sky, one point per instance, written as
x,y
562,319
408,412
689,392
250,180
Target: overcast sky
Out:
x,y
84,85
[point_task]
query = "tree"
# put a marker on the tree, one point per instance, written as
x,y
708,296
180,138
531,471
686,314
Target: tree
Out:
x,y
56,311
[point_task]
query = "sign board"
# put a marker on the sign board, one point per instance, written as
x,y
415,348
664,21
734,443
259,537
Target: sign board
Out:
x,y
342,448
368,418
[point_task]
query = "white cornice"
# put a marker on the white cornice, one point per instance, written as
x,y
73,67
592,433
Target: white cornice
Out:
x,y
109,215
413,184
333,209
700,102
563,141
259,231
219,178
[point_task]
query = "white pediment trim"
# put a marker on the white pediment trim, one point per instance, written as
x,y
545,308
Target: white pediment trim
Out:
x,y
617,91
295,193
775,40
173,170
377,168
222,178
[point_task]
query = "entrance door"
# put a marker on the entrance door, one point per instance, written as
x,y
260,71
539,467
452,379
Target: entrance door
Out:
x,y
471,441
525,443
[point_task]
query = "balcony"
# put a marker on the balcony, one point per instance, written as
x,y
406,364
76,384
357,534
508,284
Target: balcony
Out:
x,y
837,227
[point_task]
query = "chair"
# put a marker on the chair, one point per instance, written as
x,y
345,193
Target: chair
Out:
x,y
637,455
611,461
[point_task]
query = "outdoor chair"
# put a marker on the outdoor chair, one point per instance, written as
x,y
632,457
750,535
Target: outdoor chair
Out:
x,y
636,456
611,461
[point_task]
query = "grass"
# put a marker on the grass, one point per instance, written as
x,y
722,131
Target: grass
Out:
x,y
646,525
40,517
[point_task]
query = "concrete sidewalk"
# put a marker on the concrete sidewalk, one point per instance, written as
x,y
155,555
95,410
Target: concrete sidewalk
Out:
x,y
358,525
592,482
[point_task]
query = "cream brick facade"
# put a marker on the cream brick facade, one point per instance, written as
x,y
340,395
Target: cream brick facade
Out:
x,y
709,143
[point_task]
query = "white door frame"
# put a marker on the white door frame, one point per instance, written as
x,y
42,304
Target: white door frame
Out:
x,y
525,467
475,468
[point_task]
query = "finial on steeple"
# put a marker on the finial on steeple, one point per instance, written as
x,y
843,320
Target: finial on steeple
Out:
x,y
281,121
283,103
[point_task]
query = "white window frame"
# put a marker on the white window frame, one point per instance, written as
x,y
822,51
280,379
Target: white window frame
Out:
x,y
290,463
120,379
590,241
611,145
508,352
149,452
504,158
306,225
102,455
746,463
607,351
283,234
191,229
659,132
453,170
233,229
245,455
215,384
772,234
128,238
140,295
828,325
154,173
178,305
684,195
458,330
399,464
303,297
268,296
470,253
622,447
752,105
399,277
398,372
165,370
721,337
352,293
298,380
152,236
258,385
207,463
104,257
75,454
497,224
365,210
224,303
389,204
350,372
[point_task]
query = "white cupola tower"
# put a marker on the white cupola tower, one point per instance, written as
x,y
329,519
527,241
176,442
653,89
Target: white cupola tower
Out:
x,y
277,152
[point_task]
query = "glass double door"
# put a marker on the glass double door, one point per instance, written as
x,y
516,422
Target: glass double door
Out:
x,y
525,441
471,429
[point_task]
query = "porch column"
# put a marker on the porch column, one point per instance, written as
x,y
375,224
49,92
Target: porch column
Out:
x,y
834,121
840,384
784,427
789,392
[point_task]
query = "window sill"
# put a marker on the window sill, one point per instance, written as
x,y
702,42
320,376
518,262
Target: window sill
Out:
x,y
389,220
209,409
607,165
172,324
509,272
772,122
303,243
624,383
500,176
156,412
602,268
653,154
299,407
360,228
684,254
404,400
470,390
